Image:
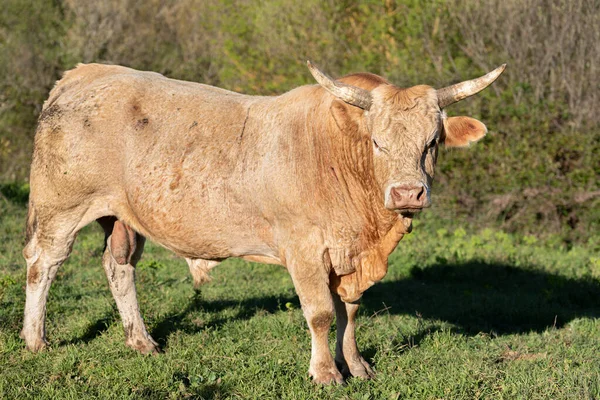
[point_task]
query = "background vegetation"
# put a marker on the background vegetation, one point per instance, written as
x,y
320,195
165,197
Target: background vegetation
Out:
x,y
536,172
495,293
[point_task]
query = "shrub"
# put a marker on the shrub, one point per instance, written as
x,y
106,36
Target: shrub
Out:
x,y
537,171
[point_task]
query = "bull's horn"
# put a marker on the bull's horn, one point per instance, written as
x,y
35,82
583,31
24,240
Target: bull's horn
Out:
x,y
454,93
350,94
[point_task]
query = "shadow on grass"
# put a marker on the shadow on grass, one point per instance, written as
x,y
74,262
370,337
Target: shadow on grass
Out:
x,y
194,390
476,297
246,309
491,298
183,320
96,329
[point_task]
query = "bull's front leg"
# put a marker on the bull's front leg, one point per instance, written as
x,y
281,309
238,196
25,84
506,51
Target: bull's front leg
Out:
x,y
312,285
347,356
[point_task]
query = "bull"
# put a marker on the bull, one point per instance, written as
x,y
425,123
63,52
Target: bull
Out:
x,y
324,180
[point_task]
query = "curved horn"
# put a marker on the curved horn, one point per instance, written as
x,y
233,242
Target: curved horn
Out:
x,y
350,94
454,93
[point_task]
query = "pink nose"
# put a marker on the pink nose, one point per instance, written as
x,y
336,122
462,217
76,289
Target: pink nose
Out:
x,y
408,197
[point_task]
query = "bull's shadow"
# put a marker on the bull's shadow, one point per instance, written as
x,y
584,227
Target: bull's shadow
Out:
x,y
245,309
491,298
476,297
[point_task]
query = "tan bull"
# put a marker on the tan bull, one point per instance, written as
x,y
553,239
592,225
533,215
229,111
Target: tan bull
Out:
x,y
323,180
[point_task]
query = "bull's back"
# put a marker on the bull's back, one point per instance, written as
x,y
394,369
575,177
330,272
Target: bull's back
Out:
x,y
106,118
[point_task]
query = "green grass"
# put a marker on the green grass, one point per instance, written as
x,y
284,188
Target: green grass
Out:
x,y
480,314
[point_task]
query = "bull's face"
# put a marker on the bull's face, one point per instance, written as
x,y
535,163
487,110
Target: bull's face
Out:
x,y
406,127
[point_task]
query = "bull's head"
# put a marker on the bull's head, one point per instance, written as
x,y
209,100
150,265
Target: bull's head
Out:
x,y
406,127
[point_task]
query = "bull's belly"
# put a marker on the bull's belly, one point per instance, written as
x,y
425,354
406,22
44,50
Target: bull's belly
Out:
x,y
200,227
208,241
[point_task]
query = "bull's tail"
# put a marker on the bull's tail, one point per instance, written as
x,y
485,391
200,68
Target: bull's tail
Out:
x,y
31,224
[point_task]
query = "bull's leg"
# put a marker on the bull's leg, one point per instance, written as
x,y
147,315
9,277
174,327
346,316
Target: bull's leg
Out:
x,y
199,269
347,356
124,248
312,285
49,243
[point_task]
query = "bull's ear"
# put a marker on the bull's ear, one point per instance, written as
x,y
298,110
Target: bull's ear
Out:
x,y
461,131
346,118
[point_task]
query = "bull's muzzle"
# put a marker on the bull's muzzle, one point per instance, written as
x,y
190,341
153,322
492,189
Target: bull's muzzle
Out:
x,y
407,198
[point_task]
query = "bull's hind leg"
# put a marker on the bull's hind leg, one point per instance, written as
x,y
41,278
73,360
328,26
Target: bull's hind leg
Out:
x,y
199,269
347,355
124,248
50,236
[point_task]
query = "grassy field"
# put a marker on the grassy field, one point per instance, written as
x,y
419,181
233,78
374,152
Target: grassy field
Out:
x,y
461,314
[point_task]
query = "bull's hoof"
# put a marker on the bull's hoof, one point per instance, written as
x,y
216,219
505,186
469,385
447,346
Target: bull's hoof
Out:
x,y
143,346
361,369
357,368
326,376
34,345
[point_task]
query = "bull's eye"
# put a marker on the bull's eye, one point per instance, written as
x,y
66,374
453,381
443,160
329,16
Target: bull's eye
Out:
x,y
376,144
378,147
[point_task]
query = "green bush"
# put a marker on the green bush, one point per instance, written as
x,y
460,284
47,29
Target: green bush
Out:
x,y
536,172
15,192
